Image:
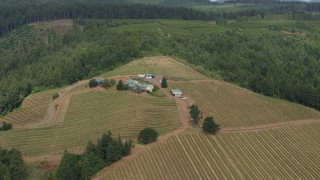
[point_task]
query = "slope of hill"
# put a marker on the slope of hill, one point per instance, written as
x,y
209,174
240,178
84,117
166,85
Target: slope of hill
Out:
x,y
33,109
258,119
232,106
285,153
161,65
91,114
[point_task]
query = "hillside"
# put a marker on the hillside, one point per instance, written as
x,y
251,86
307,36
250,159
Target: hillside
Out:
x,y
284,153
84,114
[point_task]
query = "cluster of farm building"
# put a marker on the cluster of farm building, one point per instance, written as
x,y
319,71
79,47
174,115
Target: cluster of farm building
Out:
x,y
139,85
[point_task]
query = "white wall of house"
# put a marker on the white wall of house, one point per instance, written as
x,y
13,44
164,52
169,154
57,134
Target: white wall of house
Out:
x,y
149,88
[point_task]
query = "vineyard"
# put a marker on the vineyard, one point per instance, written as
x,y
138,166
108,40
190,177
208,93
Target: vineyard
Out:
x,y
91,114
286,153
33,109
232,106
160,65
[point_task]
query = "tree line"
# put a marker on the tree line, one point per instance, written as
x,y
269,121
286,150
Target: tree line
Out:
x,y
95,157
13,15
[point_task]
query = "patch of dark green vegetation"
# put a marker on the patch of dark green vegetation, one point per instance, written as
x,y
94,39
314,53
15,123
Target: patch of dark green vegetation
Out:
x,y
147,135
82,166
5,126
12,165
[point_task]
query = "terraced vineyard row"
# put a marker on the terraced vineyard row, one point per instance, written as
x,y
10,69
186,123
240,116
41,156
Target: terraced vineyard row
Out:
x,y
286,153
33,109
91,114
162,65
232,106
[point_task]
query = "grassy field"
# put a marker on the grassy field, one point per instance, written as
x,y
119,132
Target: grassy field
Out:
x,y
286,153
232,106
33,109
89,116
160,65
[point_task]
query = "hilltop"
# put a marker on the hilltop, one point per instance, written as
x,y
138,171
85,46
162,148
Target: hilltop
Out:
x,y
83,114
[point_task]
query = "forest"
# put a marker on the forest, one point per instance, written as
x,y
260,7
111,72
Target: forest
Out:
x,y
268,63
14,15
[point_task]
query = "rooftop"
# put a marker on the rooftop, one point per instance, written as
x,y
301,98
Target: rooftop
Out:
x,y
144,85
176,91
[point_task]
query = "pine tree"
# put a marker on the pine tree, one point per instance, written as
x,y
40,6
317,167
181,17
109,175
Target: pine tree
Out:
x,y
164,83
69,168
120,85
90,164
16,167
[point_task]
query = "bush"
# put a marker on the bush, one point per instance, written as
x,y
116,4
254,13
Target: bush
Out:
x,y
5,126
93,83
210,126
121,86
55,96
155,88
147,135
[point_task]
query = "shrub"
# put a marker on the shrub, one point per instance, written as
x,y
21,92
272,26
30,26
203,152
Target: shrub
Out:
x,y
155,88
55,96
147,135
93,83
210,126
5,126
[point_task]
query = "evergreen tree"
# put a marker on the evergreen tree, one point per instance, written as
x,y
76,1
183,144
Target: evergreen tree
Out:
x,y
120,86
90,164
69,168
126,149
17,168
164,83
103,143
195,113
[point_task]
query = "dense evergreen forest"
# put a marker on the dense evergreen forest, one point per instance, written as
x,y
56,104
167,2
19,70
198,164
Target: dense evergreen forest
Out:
x,y
16,13
271,64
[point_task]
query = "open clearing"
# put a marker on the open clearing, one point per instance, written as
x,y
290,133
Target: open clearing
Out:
x,y
286,153
232,106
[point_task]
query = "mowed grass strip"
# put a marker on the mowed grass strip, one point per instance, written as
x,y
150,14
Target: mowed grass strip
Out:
x,y
90,115
160,65
232,106
280,153
33,109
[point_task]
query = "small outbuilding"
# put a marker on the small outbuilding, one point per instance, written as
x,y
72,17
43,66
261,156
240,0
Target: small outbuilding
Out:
x,y
146,87
176,92
100,82
149,76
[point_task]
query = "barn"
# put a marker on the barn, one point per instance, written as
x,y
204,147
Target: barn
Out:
x,y
176,92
